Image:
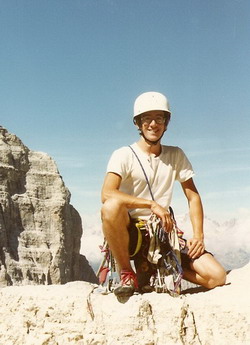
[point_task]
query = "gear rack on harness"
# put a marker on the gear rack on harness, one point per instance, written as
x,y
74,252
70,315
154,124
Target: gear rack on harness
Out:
x,y
157,259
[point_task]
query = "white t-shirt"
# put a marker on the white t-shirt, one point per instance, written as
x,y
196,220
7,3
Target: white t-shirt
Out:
x,y
162,171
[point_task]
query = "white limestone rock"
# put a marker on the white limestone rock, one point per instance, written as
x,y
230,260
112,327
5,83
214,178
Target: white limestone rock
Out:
x,y
72,314
40,231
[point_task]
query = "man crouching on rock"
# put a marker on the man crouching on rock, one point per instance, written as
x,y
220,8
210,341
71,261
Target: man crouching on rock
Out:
x,y
126,195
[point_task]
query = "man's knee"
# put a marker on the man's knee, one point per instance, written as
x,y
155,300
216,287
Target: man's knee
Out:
x,y
112,209
215,277
218,278
210,270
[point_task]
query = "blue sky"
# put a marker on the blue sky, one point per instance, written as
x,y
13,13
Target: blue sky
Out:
x,y
71,70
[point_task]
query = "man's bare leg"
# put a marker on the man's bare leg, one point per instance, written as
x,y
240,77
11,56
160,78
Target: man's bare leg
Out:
x,y
115,221
206,271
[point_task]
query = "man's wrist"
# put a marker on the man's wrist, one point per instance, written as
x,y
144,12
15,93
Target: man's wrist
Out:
x,y
153,204
199,237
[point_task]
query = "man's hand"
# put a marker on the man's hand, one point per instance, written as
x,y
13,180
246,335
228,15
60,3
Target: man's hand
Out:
x,y
164,215
196,248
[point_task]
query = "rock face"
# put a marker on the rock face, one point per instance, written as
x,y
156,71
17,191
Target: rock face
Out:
x,y
40,231
73,314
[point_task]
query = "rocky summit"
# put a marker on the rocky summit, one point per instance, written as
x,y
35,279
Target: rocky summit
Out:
x,y
40,231
77,314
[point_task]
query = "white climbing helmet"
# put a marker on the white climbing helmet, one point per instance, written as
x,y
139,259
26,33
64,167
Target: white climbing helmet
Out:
x,y
150,101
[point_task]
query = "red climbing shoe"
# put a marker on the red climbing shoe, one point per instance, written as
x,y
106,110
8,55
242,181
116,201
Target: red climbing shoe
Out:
x,y
128,284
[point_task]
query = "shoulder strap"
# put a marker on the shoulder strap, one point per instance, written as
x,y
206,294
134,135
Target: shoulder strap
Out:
x,y
144,172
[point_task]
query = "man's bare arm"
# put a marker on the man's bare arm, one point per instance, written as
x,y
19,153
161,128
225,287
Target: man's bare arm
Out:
x,y
196,244
110,189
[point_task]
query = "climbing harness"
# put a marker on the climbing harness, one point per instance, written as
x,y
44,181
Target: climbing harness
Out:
x,y
157,259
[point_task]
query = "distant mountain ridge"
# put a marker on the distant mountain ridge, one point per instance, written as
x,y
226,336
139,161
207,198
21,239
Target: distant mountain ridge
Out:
x,y
228,241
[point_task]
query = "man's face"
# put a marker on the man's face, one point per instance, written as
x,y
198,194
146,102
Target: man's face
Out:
x,y
153,124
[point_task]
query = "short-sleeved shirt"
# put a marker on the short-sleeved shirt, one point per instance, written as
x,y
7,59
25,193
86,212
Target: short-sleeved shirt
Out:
x,y
162,171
